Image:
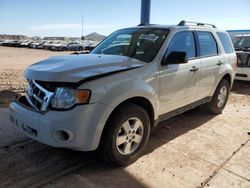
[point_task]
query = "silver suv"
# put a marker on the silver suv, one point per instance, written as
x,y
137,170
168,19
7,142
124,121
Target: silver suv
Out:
x,y
134,79
242,47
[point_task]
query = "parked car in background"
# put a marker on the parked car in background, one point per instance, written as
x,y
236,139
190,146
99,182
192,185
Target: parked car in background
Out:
x,y
6,43
47,45
15,43
37,44
63,46
80,46
31,43
25,44
40,45
90,48
1,42
242,47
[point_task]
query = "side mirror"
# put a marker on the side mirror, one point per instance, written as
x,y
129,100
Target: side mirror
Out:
x,y
175,57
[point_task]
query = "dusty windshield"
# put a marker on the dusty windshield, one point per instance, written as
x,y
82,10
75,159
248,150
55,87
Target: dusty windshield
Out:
x,y
142,44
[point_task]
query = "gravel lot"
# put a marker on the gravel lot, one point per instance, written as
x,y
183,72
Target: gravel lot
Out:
x,y
195,149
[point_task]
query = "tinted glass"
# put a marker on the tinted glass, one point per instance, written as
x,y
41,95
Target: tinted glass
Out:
x,y
226,42
183,42
242,42
208,45
142,44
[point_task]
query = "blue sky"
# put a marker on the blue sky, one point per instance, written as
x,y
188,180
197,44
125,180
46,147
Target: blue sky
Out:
x,y
63,17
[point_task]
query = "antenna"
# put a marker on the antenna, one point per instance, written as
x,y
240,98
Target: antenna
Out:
x,y
82,28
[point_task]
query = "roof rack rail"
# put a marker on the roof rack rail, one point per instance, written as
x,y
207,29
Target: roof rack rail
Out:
x,y
184,22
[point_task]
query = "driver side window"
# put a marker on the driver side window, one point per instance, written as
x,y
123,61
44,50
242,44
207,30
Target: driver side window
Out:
x,y
183,42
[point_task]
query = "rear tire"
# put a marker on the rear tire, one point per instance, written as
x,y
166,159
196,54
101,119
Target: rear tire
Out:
x,y
220,97
125,135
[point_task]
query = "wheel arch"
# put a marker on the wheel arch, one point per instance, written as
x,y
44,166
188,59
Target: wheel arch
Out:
x,y
139,100
227,77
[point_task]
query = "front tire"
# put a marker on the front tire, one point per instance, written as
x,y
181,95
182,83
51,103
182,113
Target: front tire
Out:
x,y
220,97
125,135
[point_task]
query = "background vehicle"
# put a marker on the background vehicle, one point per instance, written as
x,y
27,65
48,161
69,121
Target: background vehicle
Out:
x,y
36,44
1,42
14,43
90,48
6,43
80,46
242,47
25,44
137,77
63,46
47,45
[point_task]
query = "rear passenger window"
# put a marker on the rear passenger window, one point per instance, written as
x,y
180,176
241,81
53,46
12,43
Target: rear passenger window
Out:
x,y
208,45
226,42
183,42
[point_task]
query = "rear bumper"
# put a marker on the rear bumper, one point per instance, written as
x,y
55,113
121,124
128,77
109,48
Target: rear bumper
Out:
x,y
75,129
243,73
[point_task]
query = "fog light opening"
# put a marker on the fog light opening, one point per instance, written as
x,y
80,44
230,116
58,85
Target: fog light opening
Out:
x,y
63,135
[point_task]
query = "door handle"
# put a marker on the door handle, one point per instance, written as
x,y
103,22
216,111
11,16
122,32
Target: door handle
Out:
x,y
220,63
194,68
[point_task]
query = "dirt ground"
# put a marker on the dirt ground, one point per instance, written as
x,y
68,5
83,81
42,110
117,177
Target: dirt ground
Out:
x,y
13,62
195,149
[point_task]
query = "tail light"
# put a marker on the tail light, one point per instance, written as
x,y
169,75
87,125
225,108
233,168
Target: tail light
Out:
x,y
234,63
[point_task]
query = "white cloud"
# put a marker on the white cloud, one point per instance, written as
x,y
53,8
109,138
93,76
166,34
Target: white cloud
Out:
x,y
47,27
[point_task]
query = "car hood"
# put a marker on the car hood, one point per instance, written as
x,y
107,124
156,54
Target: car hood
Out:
x,y
75,68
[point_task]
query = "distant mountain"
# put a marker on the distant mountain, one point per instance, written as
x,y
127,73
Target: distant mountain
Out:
x,y
14,37
95,36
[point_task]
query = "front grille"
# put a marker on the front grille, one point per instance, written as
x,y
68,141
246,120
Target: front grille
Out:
x,y
37,96
243,59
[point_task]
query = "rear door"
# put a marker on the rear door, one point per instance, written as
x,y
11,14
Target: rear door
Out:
x,y
211,61
179,83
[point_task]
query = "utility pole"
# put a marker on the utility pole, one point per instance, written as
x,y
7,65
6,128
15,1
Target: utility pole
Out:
x,y
82,37
145,12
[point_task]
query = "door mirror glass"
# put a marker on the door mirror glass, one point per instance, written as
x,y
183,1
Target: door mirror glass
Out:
x,y
175,57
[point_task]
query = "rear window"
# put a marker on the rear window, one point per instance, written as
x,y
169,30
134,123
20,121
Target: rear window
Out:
x,y
226,42
208,45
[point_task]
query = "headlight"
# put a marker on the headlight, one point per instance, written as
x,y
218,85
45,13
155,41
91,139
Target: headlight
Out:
x,y
65,98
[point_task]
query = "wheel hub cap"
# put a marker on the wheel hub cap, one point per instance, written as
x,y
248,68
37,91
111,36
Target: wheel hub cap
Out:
x,y
222,96
129,136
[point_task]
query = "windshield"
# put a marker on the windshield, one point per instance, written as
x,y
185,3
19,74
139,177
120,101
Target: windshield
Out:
x,y
142,44
242,42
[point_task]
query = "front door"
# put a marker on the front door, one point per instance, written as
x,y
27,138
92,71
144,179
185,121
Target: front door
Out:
x,y
179,83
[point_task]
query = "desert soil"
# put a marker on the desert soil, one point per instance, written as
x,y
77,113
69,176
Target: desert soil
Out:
x,y
13,62
195,149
